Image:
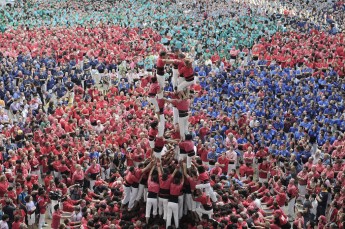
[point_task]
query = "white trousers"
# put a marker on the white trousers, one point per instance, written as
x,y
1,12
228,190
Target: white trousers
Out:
x,y
181,205
133,197
231,167
163,207
31,219
189,161
105,173
56,174
184,84
263,180
174,77
183,125
177,152
151,203
182,156
175,115
141,192
153,101
189,203
161,125
41,221
52,204
126,195
92,184
208,190
152,144
161,81
302,190
291,207
157,155
200,210
173,210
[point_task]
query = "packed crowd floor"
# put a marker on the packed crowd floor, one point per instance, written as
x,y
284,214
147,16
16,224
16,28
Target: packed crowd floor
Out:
x,y
172,114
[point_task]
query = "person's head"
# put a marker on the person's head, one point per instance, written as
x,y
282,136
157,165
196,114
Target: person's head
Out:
x,y
177,177
162,54
5,217
154,80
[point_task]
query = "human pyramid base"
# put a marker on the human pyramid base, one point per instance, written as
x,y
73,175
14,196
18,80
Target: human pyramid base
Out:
x,y
172,114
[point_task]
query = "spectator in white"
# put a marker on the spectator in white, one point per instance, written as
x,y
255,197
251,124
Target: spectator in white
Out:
x,y
15,107
231,141
248,156
30,208
35,102
76,215
99,127
231,155
3,222
3,118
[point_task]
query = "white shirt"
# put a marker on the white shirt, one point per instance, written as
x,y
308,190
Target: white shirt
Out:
x,y
76,216
313,209
30,206
3,225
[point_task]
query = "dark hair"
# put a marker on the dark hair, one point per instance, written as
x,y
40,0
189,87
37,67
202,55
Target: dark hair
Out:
x,y
177,177
154,79
162,53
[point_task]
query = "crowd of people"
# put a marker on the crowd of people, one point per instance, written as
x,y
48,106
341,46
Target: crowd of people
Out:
x,y
175,114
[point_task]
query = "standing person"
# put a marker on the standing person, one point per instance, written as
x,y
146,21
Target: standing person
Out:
x,y
302,181
263,169
129,180
322,199
231,155
30,211
22,200
183,112
154,90
4,222
173,206
187,149
160,65
292,192
164,185
93,171
138,173
153,131
152,195
42,203
307,206
187,74
178,64
8,210
57,216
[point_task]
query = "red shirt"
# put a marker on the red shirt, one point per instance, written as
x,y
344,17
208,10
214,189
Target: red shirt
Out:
x,y
56,220
16,225
154,89
42,202
164,184
187,146
183,105
187,72
224,161
175,189
153,186
264,167
292,190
